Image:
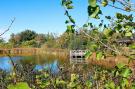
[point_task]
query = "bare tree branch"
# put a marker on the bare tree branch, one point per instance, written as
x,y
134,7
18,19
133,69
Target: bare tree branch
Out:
x,y
12,21
114,50
126,5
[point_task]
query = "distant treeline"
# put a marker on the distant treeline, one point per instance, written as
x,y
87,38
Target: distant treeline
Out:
x,y
68,40
29,38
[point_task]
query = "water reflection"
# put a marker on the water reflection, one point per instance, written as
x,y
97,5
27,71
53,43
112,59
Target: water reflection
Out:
x,y
52,66
5,64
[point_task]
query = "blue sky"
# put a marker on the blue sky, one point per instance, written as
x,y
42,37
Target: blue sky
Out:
x,y
42,16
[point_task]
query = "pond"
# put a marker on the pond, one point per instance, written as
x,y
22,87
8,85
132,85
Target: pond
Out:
x,y
41,62
54,73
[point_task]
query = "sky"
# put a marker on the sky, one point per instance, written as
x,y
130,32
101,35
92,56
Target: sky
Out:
x,y
43,16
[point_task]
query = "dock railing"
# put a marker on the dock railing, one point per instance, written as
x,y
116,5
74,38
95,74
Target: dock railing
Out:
x,y
77,56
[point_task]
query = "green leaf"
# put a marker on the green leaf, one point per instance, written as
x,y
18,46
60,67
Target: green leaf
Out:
x,y
113,1
21,85
128,34
74,77
66,22
58,82
107,32
99,55
85,25
93,12
118,27
88,54
92,3
68,2
108,17
117,87
126,72
71,19
46,75
120,65
72,85
63,2
132,46
119,16
130,17
70,7
88,84
110,85
124,83
93,46
128,28
66,13
90,24
133,87
104,3
45,84
70,29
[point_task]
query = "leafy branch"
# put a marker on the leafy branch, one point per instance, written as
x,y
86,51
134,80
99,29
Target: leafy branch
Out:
x,y
107,46
128,6
94,15
93,12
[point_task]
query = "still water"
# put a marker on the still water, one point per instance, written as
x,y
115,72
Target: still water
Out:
x,y
40,63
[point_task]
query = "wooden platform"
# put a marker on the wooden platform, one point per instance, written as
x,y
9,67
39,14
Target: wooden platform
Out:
x,y
77,56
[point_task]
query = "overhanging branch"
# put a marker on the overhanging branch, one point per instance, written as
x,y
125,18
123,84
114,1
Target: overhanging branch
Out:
x,y
12,21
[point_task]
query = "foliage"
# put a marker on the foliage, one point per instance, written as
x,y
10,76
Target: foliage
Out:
x,y
2,41
89,77
31,43
6,45
102,40
23,36
27,35
29,38
94,9
121,78
21,85
106,39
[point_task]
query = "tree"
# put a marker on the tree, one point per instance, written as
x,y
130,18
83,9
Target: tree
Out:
x,y
27,35
12,39
22,37
2,40
40,39
15,40
104,37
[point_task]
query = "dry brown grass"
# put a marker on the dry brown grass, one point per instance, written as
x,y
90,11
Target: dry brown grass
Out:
x,y
110,61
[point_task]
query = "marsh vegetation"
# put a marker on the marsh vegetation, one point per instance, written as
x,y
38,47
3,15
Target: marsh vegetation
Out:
x,y
110,55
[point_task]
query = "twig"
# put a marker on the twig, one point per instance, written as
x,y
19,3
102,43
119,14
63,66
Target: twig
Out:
x,y
118,7
116,51
12,21
101,42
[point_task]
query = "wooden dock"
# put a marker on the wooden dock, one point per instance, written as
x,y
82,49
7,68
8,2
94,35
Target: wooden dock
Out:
x,y
77,56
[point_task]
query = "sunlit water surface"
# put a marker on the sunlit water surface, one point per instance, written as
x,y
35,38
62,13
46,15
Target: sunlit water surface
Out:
x,y
41,63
